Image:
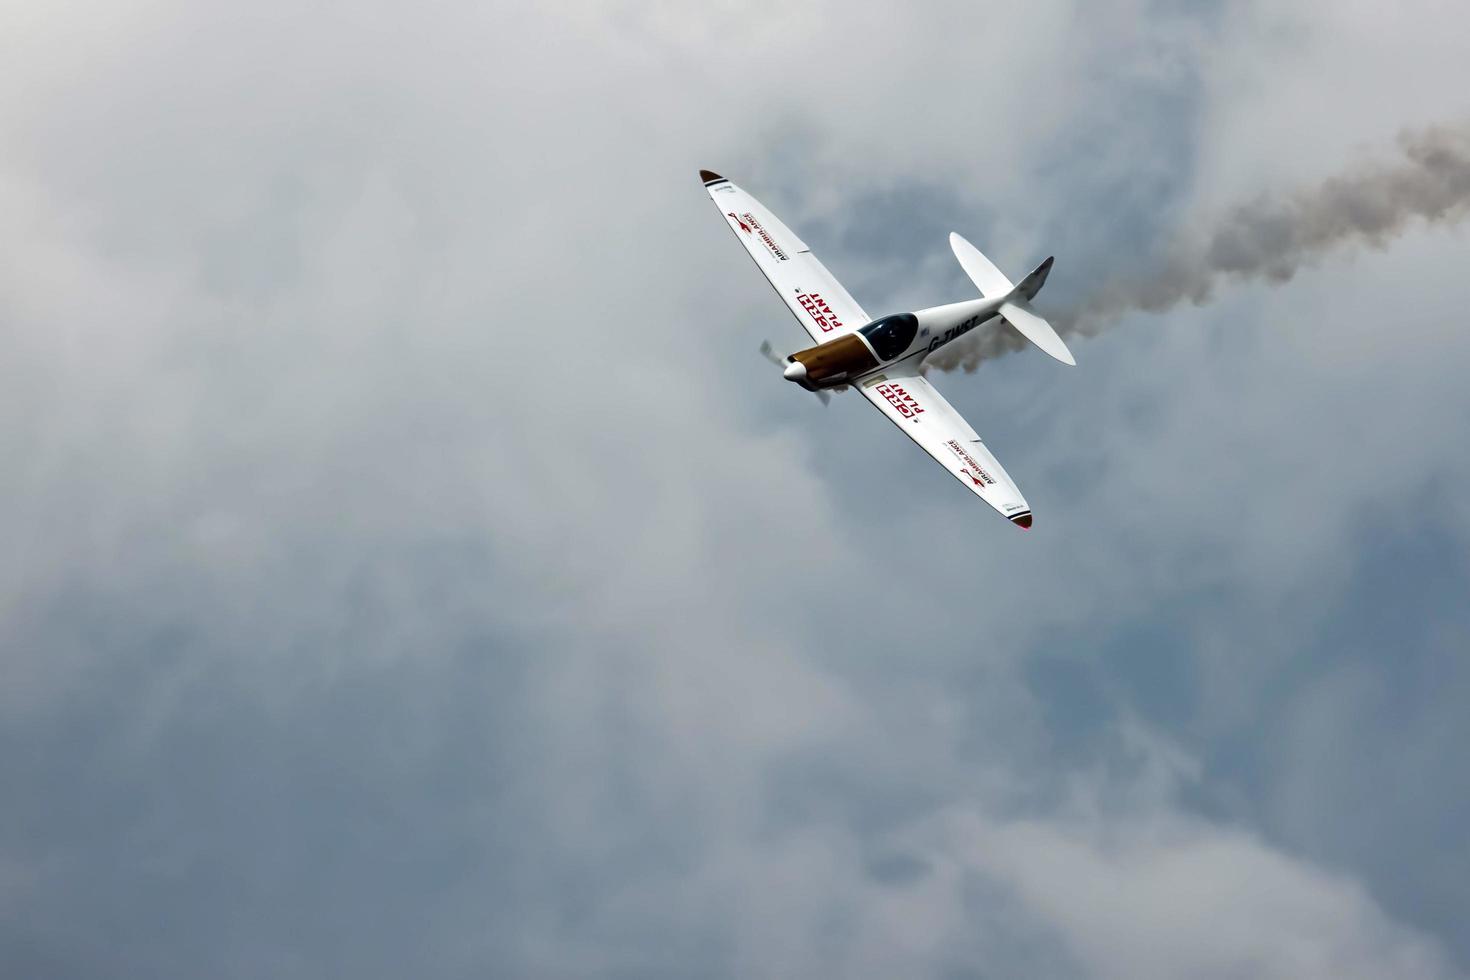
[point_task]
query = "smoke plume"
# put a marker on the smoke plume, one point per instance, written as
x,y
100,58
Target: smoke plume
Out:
x,y
1268,239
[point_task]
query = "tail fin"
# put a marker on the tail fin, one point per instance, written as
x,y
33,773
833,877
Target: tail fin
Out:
x,y
1016,307
1032,284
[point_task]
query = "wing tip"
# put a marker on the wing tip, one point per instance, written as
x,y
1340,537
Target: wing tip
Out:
x,y
1022,521
710,177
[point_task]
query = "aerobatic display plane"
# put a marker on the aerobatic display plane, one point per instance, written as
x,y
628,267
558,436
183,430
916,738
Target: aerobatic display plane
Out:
x,y
883,358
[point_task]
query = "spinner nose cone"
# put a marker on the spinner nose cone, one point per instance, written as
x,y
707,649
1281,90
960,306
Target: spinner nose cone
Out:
x,y
1022,521
795,371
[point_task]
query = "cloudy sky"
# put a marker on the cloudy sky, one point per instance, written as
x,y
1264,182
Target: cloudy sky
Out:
x,y
409,566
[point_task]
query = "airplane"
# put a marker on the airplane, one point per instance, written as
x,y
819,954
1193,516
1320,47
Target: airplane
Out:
x,y
883,358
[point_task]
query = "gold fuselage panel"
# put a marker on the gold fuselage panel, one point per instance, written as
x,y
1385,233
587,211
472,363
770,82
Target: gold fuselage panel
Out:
x,y
836,362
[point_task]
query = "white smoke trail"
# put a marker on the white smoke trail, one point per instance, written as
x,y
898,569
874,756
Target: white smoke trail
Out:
x,y
1268,238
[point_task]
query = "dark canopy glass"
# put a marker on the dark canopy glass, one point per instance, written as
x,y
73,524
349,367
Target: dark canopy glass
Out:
x,y
891,335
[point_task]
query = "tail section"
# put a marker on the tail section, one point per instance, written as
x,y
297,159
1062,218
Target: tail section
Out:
x,y
1016,306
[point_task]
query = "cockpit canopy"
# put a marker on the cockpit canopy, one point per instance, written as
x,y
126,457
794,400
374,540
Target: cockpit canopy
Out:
x,y
891,335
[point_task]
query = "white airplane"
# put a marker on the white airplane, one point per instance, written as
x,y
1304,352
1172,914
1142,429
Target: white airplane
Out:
x,y
883,357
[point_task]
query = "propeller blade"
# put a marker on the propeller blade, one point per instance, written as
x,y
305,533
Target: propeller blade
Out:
x,y
780,362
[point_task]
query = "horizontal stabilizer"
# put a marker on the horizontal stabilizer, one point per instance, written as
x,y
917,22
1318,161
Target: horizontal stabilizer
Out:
x,y
988,279
1018,313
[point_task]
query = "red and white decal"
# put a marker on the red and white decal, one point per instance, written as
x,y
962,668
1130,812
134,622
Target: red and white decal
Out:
x,y
819,311
971,469
751,226
907,406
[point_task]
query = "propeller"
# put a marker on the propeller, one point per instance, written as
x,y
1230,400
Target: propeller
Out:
x,y
780,362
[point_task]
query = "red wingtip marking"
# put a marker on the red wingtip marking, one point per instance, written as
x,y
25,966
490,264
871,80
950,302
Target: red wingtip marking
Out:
x,y
1022,521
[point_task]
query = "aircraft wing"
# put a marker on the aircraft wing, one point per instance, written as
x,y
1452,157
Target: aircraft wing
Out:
x,y
912,404
814,296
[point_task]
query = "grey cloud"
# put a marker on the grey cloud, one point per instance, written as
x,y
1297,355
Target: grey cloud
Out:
x,y
406,573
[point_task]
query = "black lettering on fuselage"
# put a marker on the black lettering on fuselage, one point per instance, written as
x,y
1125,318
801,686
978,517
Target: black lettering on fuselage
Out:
x,y
959,330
